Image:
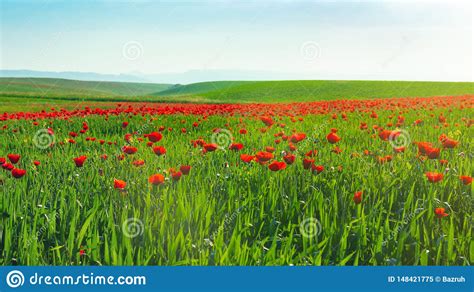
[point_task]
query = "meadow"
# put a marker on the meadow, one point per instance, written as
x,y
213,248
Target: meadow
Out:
x,y
36,94
384,181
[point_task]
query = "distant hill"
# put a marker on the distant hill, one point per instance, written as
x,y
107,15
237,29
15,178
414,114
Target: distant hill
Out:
x,y
311,90
30,90
201,88
51,87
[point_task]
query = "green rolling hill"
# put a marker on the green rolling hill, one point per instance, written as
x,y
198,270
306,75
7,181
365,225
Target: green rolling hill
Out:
x,y
52,87
38,93
311,90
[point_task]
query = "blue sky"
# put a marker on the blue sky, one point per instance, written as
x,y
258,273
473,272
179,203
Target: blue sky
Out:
x,y
403,40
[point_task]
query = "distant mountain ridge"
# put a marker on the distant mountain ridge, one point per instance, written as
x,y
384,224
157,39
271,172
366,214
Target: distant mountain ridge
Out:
x,y
187,77
84,76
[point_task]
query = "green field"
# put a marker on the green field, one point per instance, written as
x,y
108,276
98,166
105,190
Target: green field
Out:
x,y
38,93
228,212
312,90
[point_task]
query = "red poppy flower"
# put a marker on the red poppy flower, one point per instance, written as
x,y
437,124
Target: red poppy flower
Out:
x,y
333,138
79,161
243,131
399,149
449,143
337,150
210,147
73,134
36,162
246,158
127,137
8,166
2,160
270,149
129,149
119,184
289,158
295,138
156,179
159,150
263,156
307,163
466,180
185,169
268,121
443,161
385,135
317,168
433,153
18,173
311,153
154,137
124,124
440,213
434,176
424,147
277,165
176,175
138,162
14,158
104,157
357,197
236,146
